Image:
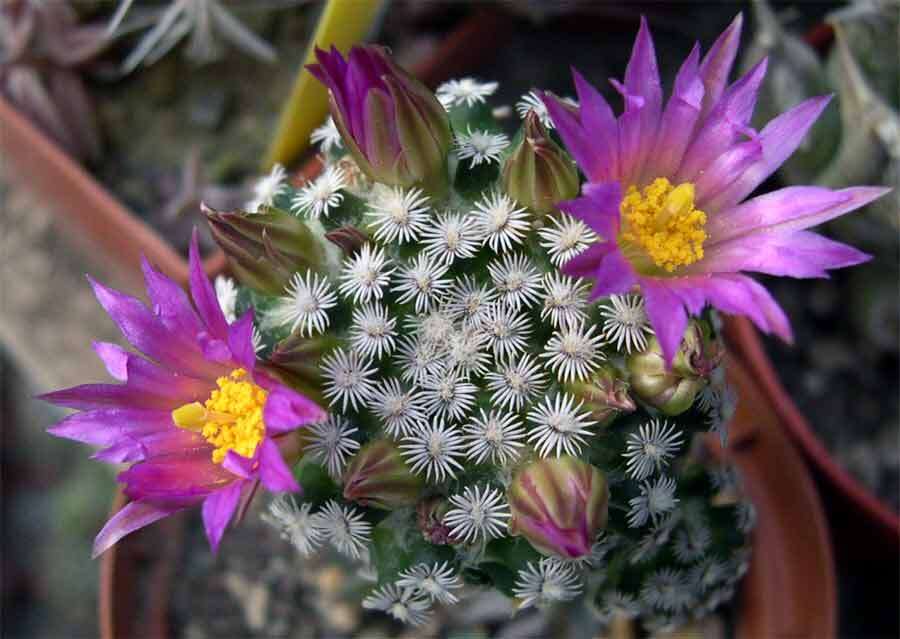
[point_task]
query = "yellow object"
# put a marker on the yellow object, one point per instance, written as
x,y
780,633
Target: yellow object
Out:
x,y
661,221
343,23
232,417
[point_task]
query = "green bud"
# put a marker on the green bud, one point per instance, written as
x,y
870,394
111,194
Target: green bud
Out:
x,y
264,249
673,390
378,477
559,505
295,362
539,173
604,394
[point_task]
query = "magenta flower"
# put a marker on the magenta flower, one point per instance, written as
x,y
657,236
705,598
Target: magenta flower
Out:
x,y
195,418
666,188
393,125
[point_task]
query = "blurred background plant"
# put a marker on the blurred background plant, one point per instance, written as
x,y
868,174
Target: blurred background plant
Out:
x,y
206,24
43,51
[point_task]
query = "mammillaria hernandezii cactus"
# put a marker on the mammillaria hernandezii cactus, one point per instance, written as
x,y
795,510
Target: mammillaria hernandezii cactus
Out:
x,y
519,370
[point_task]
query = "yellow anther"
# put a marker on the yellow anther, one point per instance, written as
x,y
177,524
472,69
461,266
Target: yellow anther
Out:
x,y
232,417
660,222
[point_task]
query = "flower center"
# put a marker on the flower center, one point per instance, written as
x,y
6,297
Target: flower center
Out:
x,y
660,226
232,417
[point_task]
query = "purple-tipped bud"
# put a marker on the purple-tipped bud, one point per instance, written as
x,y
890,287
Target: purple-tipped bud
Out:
x,y
604,394
265,249
378,477
430,520
559,505
539,173
393,125
349,238
673,389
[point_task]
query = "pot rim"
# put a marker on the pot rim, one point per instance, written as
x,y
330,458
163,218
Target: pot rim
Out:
x,y
740,332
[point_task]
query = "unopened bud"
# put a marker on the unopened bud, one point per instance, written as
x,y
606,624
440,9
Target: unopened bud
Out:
x,y
430,520
539,173
604,394
559,505
394,127
673,390
378,477
349,238
265,249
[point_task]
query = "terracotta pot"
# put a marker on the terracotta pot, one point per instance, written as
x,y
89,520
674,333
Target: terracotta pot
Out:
x,y
85,207
791,589
863,528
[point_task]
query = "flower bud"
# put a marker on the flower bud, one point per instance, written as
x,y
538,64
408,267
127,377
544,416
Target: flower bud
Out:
x,y
539,173
391,123
349,238
673,390
378,477
430,520
559,505
264,249
295,362
604,394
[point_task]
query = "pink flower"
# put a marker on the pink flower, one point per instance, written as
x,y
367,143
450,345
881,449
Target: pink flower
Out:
x,y
195,418
667,188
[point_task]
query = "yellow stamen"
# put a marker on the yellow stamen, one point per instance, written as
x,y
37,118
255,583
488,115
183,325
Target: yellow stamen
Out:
x,y
232,417
660,222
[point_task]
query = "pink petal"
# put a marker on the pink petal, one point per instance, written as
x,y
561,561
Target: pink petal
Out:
x,y
598,207
642,79
91,396
725,126
204,295
114,358
615,275
730,166
132,517
793,254
243,467
287,410
179,479
599,123
145,331
586,264
667,315
105,426
678,120
170,303
741,295
586,154
793,208
716,66
218,509
779,139
240,341
631,137
274,473
146,377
